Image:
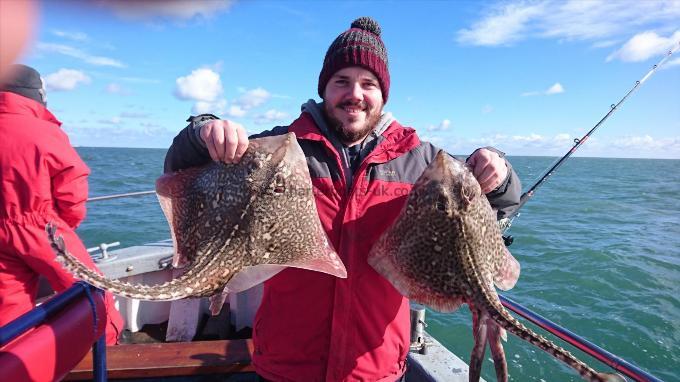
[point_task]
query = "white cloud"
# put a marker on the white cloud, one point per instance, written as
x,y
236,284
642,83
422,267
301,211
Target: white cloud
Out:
x,y
236,111
487,109
79,54
66,79
253,98
647,143
201,85
557,88
562,137
216,107
437,140
531,144
176,9
84,135
645,146
528,138
644,45
271,116
502,24
443,125
205,87
75,36
241,106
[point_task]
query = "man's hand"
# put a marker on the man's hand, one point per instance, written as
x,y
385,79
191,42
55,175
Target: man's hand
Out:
x,y
226,141
489,169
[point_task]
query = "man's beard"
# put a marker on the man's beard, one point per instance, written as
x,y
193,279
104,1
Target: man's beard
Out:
x,y
345,135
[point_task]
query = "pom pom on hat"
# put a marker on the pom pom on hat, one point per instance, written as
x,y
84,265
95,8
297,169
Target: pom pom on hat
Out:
x,y
367,24
362,46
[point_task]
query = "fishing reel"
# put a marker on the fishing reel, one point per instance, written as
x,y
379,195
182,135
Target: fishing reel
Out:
x,y
504,224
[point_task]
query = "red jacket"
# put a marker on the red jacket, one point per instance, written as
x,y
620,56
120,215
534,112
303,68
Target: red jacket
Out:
x,y
43,179
318,327
40,172
315,327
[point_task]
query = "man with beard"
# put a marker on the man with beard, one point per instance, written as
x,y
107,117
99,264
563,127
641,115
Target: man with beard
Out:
x,y
312,326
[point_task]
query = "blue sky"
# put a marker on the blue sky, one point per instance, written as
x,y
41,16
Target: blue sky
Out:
x,y
527,77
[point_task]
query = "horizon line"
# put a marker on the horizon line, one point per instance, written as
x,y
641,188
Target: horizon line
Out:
x,y
461,155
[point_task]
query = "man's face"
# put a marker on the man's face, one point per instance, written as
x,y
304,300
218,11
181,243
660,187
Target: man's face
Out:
x,y
353,103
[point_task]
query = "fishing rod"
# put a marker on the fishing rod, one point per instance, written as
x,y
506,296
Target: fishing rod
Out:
x,y
577,143
116,196
613,361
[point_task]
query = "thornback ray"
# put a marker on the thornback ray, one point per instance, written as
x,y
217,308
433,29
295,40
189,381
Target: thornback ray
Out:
x,y
445,249
233,225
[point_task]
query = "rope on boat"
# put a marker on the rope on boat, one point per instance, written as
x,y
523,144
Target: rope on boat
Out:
x,y
107,197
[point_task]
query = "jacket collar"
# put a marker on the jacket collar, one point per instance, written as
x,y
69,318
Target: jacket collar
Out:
x,y
316,111
393,140
11,103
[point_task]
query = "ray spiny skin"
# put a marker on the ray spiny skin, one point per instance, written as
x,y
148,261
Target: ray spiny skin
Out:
x,y
228,217
446,249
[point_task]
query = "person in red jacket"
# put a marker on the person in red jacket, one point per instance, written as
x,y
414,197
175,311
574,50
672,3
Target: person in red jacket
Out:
x,y
43,179
312,326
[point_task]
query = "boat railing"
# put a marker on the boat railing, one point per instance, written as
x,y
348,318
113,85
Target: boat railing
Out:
x,y
116,196
50,308
615,362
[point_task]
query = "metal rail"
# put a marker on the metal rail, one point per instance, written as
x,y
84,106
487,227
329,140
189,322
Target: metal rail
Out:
x,y
51,307
615,362
107,197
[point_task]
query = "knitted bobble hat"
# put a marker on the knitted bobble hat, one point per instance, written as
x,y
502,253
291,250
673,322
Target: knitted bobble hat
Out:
x,y
358,46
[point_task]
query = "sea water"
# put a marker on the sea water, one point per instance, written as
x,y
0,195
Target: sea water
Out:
x,y
599,245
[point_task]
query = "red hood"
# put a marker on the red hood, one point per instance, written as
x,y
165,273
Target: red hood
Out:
x,y
11,103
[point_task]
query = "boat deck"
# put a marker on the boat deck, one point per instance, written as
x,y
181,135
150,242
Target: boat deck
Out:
x,y
219,351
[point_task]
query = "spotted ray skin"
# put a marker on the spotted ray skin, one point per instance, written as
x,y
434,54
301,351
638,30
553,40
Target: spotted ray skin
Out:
x,y
233,225
445,249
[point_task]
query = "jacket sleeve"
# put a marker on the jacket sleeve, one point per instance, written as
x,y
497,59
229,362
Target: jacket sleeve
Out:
x,y
69,186
505,198
188,149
